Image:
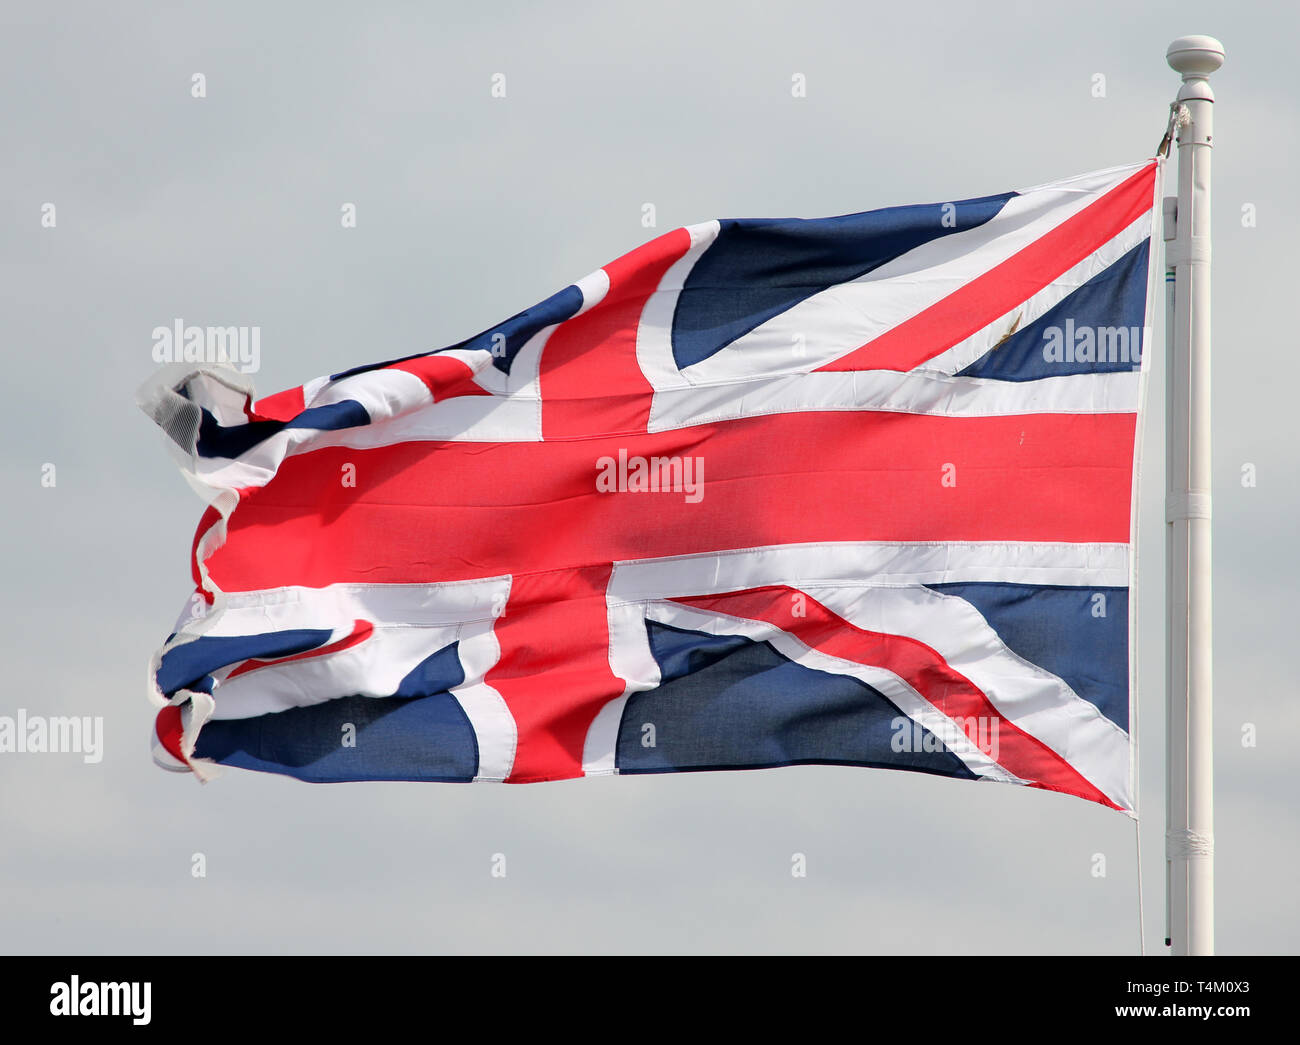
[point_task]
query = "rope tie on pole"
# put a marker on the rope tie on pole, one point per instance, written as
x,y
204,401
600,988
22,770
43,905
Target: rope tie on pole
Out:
x,y
1179,116
1188,845
1190,505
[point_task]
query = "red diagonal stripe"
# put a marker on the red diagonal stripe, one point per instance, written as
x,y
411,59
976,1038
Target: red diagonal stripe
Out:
x,y
361,630
920,666
446,377
982,300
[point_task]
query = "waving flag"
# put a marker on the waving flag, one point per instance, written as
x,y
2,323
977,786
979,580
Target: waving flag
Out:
x,y
855,490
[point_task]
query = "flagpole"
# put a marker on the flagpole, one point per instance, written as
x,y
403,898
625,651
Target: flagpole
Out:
x,y
1189,830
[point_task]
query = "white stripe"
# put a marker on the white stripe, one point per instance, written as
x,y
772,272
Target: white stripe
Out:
x,y
594,287
915,392
383,394
629,659
654,350
441,604
1087,181
870,563
312,389
494,726
523,379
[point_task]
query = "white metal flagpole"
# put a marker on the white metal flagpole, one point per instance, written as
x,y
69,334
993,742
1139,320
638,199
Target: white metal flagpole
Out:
x,y
1189,830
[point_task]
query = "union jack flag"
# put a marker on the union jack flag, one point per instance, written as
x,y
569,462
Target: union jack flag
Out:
x,y
854,490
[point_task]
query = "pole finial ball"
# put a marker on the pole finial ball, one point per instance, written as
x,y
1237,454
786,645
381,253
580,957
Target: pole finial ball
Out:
x,y
1194,56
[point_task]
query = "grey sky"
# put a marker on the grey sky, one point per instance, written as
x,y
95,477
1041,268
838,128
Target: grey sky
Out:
x,y
225,210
